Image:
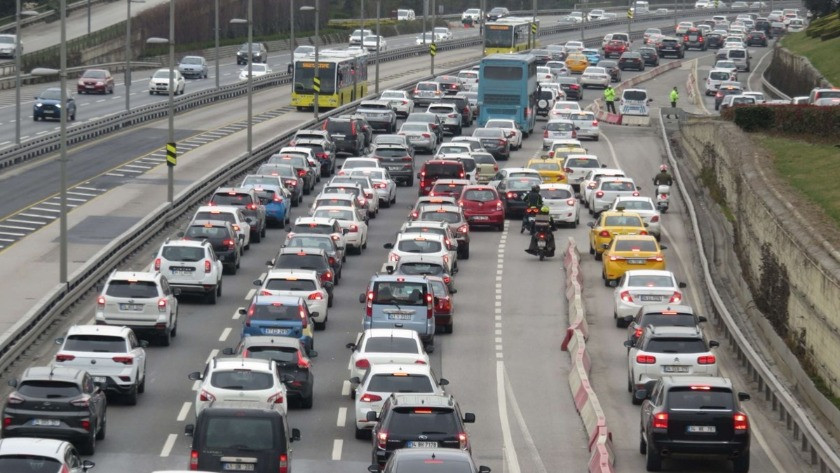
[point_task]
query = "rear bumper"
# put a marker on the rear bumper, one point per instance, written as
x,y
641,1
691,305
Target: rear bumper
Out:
x,y
733,448
60,433
194,288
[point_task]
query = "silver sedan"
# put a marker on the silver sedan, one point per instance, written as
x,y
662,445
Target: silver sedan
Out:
x,y
594,76
420,135
385,187
586,125
401,101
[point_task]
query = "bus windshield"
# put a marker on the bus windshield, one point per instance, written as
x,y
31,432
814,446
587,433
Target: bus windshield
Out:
x,y
305,72
498,35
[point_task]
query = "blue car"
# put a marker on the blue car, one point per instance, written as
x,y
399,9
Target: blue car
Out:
x,y
275,202
48,105
280,316
592,55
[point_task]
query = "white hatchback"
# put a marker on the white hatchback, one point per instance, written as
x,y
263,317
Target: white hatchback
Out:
x,y
378,346
357,230
303,283
562,204
640,287
239,379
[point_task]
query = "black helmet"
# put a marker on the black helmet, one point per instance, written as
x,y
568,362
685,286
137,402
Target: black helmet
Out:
x,y
535,188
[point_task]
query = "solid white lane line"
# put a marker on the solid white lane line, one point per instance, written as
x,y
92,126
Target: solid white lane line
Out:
x,y
225,334
15,227
345,388
342,417
114,174
523,427
250,294
90,189
13,234
185,409
76,199
86,194
167,446
336,451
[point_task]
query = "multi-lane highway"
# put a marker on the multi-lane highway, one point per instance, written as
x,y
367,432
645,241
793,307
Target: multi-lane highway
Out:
x,y
503,360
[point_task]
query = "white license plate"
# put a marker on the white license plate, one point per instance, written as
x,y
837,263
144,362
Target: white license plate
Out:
x,y
99,379
635,261
649,298
399,316
277,331
88,86
131,306
541,244
238,466
414,444
480,217
675,369
702,429
46,422
180,272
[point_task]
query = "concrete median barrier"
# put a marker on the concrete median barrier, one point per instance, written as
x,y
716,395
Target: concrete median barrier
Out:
x,y
597,105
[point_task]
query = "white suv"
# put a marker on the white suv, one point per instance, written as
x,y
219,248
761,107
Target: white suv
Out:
x,y
142,301
191,266
427,244
239,379
112,355
303,283
607,190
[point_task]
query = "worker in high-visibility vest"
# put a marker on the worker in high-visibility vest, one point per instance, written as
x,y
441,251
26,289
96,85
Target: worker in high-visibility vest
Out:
x,y
673,97
609,98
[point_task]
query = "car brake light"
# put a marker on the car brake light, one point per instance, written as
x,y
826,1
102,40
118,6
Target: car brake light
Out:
x,y
380,185
100,302
706,360
207,266
303,318
251,206
85,422
382,439
626,296
206,396
499,205
236,227
315,296
126,360
276,398
194,460
362,364
654,219
604,233
594,122
162,304
599,194
502,142
354,228
660,420
511,195
370,398
283,461
83,401
157,264
574,134
545,134
447,279
302,362
645,359
464,228
13,399
740,421
61,357
430,300
676,298
229,243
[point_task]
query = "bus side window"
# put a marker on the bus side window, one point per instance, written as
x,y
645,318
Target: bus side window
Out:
x,y
340,79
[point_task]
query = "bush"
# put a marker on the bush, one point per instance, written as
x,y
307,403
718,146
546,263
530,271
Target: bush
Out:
x,y
827,34
753,118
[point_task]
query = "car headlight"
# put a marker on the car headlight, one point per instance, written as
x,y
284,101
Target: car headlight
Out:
x,y
39,105
58,105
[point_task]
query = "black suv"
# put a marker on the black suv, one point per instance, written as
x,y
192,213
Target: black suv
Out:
x,y
249,202
694,39
59,403
418,421
756,38
314,259
258,51
714,40
292,361
463,105
241,436
670,47
398,160
347,135
335,255
693,415
649,54
220,234
572,87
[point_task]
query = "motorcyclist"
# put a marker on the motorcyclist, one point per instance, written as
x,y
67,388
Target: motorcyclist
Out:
x,y
663,178
543,223
533,201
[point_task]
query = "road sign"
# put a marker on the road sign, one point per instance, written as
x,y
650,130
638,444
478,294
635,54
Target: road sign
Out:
x,y
316,84
630,13
432,49
171,154
533,28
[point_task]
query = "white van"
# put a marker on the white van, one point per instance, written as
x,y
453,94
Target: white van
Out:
x,y
634,102
405,15
741,58
640,7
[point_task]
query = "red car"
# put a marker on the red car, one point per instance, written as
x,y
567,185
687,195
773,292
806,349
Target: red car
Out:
x,y
482,206
615,47
444,305
95,80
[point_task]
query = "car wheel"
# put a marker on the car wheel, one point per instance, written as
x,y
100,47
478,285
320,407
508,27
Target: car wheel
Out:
x,y
362,434
465,253
329,301
73,117
34,118
141,388
501,227
449,328
151,92
307,401
410,181
165,339
741,464
88,446
131,397
101,434
256,237
321,325
642,444
653,461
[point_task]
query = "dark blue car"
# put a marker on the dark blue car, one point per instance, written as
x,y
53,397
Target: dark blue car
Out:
x,y
48,105
279,316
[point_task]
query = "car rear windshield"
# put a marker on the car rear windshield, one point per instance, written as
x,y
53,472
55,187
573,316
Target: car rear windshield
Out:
x,y
719,75
469,164
453,149
334,213
298,261
240,200
277,284
555,193
410,421
421,246
421,268
650,281
95,343
183,253
399,292
197,232
737,53
313,228
391,345
636,95
676,345
441,110
274,311
545,166
559,126
236,432
132,289
266,196
684,397
48,389
620,186
395,152
278,354
489,133
241,380
224,216
342,190
440,170
427,86
30,464
623,221
581,163
635,245
480,195
341,127
400,383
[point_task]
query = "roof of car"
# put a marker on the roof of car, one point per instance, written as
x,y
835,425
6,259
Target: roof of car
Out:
x,y
301,251
192,243
398,278
57,373
619,213
713,381
423,400
664,331
390,332
256,407
134,275
33,446
420,258
679,308
268,341
109,330
291,273
634,237
241,362
454,181
650,272
318,220
388,368
284,300
213,223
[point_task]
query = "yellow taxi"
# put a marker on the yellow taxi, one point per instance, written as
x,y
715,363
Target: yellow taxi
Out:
x,y
611,223
628,252
577,63
550,169
561,151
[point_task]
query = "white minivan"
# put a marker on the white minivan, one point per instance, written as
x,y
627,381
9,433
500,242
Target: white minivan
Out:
x,y
741,58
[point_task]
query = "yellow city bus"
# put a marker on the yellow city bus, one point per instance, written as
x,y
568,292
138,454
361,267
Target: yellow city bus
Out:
x,y
509,35
343,77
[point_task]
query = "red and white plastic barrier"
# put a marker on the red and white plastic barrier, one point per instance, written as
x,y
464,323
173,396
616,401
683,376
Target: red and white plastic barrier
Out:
x,y
602,459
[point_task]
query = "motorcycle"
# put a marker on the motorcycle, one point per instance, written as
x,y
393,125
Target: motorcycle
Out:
x,y
528,220
663,194
542,242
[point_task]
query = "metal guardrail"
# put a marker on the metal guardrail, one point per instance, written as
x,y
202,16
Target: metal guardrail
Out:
x,y
790,411
9,82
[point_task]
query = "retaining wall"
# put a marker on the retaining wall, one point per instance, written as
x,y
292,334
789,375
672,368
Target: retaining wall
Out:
x,y
794,75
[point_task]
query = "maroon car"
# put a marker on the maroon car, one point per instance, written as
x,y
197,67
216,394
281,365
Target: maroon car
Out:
x,y
615,47
99,81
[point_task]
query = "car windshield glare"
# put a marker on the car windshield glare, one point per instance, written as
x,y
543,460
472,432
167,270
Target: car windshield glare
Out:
x,y
132,289
225,433
291,284
676,345
622,221
683,397
95,343
635,245
189,254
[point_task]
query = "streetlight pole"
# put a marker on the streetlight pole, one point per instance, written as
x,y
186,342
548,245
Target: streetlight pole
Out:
x,y
376,84
62,160
217,43
88,12
127,76
425,16
171,147
250,23
292,40
18,14
316,80
362,21
534,20
434,38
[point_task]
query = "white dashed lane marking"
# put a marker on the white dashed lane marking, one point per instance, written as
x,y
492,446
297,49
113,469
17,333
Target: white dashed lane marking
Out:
x,y
167,446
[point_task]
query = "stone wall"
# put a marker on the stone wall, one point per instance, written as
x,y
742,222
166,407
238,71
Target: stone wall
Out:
x,y
794,75
791,271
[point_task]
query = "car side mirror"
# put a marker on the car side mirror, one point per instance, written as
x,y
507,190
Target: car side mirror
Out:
x,y
242,311
258,282
314,314
361,300
469,418
270,262
87,465
628,319
662,247
180,234
714,344
189,430
144,344
228,351
388,246
453,291
682,285
13,383
295,435
195,376
355,380
443,382
613,283
577,128
743,396
345,231
484,469
603,165
629,343
702,319
389,269
371,416
373,468
288,229
59,341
